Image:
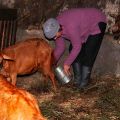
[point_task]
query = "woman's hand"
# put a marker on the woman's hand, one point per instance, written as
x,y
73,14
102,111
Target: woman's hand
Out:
x,y
67,69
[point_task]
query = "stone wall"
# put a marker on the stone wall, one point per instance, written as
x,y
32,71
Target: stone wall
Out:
x,y
35,12
108,59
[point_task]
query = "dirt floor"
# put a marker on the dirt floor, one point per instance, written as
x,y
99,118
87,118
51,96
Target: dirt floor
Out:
x,y
99,101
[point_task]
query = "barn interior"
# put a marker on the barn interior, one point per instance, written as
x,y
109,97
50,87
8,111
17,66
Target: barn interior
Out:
x,y
22,19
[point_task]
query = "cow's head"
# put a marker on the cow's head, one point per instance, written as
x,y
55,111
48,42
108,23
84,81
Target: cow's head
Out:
x,y
3,56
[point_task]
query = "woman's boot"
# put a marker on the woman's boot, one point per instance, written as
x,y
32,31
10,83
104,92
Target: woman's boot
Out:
x,y
85,76
77,73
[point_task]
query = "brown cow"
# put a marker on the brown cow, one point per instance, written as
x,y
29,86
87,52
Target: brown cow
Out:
x,y
27,57
17,104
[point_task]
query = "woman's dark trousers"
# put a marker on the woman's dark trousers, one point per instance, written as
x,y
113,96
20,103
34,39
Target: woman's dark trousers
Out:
x,y
83,64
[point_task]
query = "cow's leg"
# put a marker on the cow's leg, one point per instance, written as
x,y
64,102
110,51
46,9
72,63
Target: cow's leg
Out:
x,y
52,77
48,72
13,78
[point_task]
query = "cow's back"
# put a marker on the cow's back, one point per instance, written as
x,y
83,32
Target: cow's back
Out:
x,y
29,46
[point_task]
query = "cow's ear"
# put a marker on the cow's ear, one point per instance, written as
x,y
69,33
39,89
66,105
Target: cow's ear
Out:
x,y
7,57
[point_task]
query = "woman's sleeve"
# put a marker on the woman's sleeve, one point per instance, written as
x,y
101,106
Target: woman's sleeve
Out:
x,y
59,48
76,42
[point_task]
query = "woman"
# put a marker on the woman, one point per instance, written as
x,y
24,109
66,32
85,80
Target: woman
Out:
x,y
84,28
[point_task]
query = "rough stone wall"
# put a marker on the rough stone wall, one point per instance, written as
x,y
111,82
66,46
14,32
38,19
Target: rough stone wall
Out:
x,y
35,12
112,10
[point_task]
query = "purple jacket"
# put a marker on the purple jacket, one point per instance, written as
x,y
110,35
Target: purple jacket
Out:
x,y
77,25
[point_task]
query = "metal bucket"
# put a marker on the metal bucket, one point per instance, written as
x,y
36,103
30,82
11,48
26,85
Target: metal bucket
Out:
x,y
61,75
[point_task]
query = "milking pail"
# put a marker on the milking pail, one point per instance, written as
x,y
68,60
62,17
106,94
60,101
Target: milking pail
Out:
x,y
61,75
